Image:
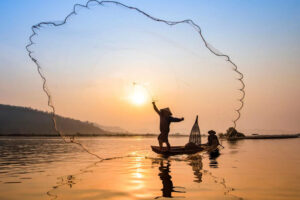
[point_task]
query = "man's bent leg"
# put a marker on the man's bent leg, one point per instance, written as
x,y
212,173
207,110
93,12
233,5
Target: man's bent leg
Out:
x,y
168,146
160,141
160,144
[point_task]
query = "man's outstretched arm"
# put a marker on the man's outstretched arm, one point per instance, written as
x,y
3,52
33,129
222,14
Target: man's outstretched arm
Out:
x,y
155,108
174,119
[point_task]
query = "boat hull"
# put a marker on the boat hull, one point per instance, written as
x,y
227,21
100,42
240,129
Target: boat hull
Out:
x,y
177,150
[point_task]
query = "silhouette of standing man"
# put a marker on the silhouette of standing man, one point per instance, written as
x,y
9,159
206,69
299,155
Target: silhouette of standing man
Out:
x,y
166,118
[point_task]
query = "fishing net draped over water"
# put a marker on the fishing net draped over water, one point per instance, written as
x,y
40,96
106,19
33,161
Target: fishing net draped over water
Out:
x,y
106,63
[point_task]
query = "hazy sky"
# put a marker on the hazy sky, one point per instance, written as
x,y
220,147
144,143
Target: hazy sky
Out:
x,y
92,62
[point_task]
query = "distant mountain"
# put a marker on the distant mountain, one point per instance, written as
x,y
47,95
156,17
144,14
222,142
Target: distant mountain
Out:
x,y
113,129
24,121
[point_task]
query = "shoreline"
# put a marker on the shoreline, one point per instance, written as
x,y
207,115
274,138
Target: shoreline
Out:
x,y
256,136
91,135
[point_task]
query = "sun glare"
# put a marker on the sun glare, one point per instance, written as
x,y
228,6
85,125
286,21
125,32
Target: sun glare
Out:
x,y
139,96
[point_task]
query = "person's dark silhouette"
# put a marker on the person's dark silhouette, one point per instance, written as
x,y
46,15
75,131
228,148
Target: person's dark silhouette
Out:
x,y
165,121
212,138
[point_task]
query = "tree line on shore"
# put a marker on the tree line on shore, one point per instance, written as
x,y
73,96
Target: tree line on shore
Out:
x,y
18,121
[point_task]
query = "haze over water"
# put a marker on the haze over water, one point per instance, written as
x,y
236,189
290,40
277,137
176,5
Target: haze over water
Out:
x,y
35,168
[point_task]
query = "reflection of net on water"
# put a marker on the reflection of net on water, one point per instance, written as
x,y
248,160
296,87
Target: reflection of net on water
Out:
x,y
189,22
195,161
71,179
164,172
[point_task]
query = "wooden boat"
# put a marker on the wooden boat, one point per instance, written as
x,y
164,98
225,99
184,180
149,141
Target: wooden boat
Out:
x,y
177,150
190,148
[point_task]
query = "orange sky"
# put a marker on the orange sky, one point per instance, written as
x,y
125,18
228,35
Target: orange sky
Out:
x,y
91,65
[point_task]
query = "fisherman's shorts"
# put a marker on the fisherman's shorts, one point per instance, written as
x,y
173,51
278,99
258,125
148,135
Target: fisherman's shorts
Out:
x,y
163,137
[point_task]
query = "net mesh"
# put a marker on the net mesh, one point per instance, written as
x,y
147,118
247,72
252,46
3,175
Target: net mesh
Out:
x,y
76,91
195,135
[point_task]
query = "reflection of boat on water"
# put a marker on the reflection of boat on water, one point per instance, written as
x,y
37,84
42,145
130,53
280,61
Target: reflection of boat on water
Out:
x,y
168,189
213,155
166,178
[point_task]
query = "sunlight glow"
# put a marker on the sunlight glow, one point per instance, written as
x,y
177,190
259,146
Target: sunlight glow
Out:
x,y
139,95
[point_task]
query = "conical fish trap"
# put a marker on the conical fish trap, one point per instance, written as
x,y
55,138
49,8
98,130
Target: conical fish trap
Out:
x,y
195,135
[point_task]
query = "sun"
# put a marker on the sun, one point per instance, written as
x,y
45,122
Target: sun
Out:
x,y
139,96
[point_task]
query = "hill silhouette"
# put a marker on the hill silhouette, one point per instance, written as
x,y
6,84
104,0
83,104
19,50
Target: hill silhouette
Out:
x,y
25,121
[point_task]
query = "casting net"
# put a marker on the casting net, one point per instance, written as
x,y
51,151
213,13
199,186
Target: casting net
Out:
x,y
105,65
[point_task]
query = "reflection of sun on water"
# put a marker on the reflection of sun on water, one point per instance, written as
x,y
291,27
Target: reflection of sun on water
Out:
x,y
138,185
139,172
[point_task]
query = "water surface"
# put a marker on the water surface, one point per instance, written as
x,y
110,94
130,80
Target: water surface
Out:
x,y
46,168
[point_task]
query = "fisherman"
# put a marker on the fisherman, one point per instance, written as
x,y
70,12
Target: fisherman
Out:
x,y
165,121
212,138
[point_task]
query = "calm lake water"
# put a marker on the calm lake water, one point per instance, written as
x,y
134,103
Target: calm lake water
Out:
x,y
46,168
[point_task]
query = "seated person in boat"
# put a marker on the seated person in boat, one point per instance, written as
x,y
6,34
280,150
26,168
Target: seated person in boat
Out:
x,y
166,118
212,138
